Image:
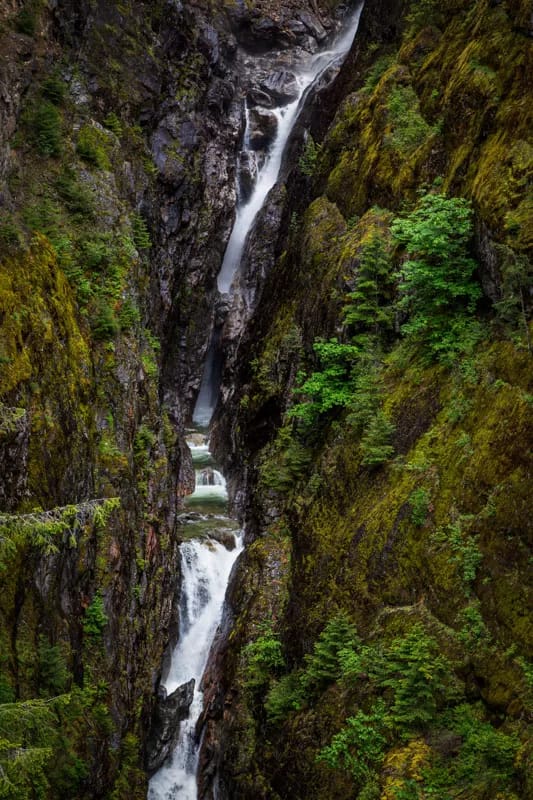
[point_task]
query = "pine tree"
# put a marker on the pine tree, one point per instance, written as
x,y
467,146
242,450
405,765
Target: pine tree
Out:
x,y
324,664
367,309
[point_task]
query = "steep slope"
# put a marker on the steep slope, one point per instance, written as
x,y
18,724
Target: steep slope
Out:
x,y
381,424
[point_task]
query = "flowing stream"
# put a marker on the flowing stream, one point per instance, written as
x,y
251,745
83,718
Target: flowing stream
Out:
x,y
212,543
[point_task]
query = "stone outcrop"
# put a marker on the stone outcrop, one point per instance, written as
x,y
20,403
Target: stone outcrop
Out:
x,y
169,711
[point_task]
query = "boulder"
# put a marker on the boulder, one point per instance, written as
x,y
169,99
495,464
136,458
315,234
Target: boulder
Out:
x,y
169,711
263,127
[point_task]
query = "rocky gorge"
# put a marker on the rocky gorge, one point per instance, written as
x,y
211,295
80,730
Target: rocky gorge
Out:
x,y
376,639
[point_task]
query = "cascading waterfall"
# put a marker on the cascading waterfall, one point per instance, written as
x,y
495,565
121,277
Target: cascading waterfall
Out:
x,y
268,173
205,567
206,564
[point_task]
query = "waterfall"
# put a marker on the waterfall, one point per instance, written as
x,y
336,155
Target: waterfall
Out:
x,y
268,173
206,564
205,568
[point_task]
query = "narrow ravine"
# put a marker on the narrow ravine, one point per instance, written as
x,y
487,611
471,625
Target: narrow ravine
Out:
x,y
211,544
207,557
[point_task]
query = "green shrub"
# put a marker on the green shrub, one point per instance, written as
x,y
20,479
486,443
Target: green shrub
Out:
x,y
52,673
264,658
54,89
141,235
129,315
103,321
113,123
369,307
77,197
93,147
26,19
436,281
47,129
419,677
419,502
409,128
330,387
285,695
324,664
309,157
375,442
376,71
359,747
95,618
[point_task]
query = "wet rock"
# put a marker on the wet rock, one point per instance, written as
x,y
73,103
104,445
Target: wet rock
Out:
x,y
256,97
247,173
169,711
281,86
263,127
313,25
219,96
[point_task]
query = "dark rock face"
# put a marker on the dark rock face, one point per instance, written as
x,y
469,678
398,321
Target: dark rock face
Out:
x,y
14,443
263,126
169,711
281,86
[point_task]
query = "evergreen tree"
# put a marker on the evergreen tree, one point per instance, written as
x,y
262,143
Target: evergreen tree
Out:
x,y
436,281
367,309
324,664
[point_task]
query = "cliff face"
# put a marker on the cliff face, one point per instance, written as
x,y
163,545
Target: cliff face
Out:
x,y
387,512
118,129
379,640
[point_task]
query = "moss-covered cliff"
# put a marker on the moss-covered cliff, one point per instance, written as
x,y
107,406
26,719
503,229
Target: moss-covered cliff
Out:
x,y
388,472
377,422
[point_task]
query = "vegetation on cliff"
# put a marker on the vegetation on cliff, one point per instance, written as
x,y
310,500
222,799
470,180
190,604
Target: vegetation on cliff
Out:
x,y
399,473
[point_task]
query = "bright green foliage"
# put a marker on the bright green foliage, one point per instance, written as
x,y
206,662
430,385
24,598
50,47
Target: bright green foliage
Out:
x,y
286,461
323,665
331,387
129,315
26,730
113,123
409,128
264,657
437,279
47,129
360,746
93,147
141,235
285,695
465,549
419,501
485,763
366,395
368,308
418,677
95,618
375,442
376,71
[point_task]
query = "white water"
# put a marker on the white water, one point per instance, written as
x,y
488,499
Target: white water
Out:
x,y
268,174
206,567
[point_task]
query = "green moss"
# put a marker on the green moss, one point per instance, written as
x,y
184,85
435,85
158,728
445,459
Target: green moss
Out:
x,y
94,147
